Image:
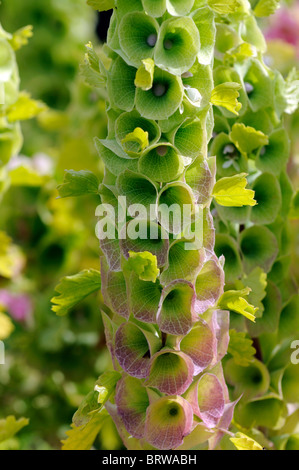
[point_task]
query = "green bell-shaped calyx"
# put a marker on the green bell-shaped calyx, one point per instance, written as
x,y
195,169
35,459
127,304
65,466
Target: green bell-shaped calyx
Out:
x,y
178,45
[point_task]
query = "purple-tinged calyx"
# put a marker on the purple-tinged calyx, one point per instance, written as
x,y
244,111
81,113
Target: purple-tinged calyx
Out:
x,y
200,345
132,401
133,350
168,421
171,372
207,397
176,313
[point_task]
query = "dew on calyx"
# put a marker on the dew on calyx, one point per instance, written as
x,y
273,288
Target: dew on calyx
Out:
x,y
162,150
159,89
249,88
152,39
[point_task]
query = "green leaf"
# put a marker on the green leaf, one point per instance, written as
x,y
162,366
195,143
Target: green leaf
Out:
x,y
246,138
78,183
83,437
224,7
226,95
101,5
243,442
92,69
145,265
266,8
10,426
240,347
20,37
232,192
234,300
257,282
73,289
25,108
145,75
227,75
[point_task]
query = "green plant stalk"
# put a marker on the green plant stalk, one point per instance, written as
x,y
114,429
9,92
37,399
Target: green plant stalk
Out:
x,y
167,330
190,101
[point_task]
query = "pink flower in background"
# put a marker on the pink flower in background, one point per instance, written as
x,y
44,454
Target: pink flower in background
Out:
x,y
19,306
284,25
